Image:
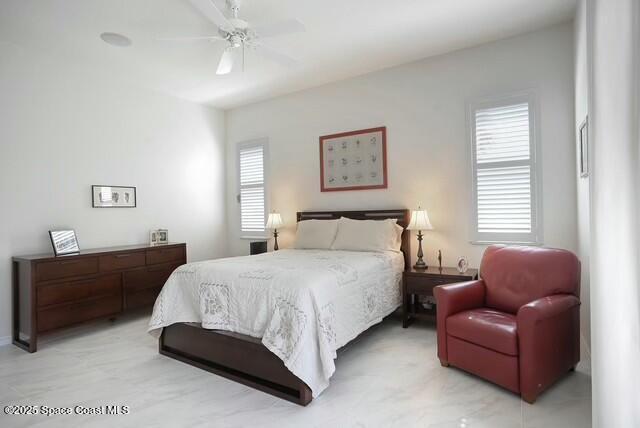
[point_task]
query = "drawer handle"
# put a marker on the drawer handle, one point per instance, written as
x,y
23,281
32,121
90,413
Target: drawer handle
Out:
x,y
122,256
70,262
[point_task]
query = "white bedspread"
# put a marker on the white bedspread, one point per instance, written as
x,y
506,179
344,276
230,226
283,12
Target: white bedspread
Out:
x,y
304,304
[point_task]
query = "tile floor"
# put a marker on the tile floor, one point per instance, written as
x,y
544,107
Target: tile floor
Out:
x,y
388,377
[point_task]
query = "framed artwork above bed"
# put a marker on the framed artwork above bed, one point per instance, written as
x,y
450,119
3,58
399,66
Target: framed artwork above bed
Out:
x,y
355,160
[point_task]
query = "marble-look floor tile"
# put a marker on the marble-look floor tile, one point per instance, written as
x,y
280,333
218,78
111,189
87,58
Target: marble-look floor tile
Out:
x,y
566,404
387,377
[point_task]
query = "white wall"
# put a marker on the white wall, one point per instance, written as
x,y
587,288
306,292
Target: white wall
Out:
x,y
581,111
64,127
615,210
423,105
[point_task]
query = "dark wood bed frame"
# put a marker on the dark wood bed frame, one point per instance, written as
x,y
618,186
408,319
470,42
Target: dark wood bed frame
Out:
x,y
245,359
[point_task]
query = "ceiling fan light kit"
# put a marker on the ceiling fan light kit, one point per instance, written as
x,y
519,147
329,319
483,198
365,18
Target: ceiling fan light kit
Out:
x,y
238,34
226,61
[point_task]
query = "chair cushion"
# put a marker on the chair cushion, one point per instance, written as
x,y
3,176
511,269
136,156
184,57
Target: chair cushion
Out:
x,y
487,328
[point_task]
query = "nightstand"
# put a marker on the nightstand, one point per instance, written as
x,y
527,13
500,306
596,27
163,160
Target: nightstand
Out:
x,y
416,283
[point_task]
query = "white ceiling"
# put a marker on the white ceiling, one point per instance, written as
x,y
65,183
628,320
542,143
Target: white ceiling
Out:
x,y
344,38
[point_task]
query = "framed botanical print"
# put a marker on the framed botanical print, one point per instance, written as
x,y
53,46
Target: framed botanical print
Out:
x,y
113,196
355,160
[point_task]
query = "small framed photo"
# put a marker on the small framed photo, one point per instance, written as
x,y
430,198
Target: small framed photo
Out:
x,y
113,196
163,236
64,242
153,237
584,147
158,237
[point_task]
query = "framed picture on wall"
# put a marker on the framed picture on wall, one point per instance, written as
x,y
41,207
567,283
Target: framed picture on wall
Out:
x,y
583,134
355,160
113,196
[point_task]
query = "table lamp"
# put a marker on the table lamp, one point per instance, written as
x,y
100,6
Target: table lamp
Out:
x,y
273,223
419,221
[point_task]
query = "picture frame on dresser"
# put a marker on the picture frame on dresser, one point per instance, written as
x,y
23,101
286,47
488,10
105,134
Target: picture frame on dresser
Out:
x,y
64,242
355,160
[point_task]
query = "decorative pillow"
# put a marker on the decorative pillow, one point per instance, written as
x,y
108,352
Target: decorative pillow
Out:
x,y
367,235
318,234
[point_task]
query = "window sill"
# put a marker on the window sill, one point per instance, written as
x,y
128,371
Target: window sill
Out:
x,y
533,244
255,237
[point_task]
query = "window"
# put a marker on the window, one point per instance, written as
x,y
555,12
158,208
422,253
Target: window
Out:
x,y
252,188
505,172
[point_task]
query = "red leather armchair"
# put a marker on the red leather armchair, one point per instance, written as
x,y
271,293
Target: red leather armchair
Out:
x,y
519,324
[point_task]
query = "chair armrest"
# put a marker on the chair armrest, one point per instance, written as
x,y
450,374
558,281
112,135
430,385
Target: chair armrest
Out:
x,y
548,341
546,307
458,297
451,299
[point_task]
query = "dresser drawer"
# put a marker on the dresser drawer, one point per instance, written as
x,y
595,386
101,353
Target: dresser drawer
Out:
x,y
65,268
142,298
49,319
111,262
78,290
150,277
165,255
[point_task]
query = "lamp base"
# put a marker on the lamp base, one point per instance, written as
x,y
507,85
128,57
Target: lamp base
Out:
x,y
420,266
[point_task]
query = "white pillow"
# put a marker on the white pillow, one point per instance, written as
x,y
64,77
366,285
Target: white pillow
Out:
x,y
317,234
368,235
398,244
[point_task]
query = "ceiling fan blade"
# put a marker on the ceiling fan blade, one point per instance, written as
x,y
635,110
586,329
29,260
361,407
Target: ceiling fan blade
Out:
x,y
188,39
226,61
274,55
211,11
289,26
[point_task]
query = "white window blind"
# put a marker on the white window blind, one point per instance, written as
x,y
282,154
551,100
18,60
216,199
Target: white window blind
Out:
x,y
504,172
251,167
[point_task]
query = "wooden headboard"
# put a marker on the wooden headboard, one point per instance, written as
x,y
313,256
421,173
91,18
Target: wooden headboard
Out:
x,y
402,215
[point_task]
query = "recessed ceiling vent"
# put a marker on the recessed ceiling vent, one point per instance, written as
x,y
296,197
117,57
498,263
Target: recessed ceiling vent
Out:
x,y
116,39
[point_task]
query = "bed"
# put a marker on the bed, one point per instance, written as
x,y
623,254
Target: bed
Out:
x,y
275,321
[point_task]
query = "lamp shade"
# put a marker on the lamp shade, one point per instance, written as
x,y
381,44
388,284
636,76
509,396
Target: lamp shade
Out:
x,y
274,221
419,220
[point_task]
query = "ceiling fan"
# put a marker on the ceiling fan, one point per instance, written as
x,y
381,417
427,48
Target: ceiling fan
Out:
x,y
238,35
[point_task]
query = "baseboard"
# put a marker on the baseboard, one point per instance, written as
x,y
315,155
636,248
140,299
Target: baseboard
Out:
x,y
584,347
6,340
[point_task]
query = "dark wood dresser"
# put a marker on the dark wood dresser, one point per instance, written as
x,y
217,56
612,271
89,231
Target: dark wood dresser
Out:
x,y
55,292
